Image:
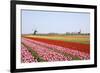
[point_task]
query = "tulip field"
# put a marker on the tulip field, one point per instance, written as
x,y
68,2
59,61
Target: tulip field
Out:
x,y
35,48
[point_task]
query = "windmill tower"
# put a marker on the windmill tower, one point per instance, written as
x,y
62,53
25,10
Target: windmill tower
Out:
x,y
35,31
79,32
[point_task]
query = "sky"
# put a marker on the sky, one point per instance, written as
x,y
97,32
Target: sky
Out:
x,y
54,22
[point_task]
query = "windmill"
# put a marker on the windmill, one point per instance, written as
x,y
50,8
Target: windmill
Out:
x,y
34,31
79,32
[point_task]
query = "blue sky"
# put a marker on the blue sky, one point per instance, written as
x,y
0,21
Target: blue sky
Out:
x,y
54,22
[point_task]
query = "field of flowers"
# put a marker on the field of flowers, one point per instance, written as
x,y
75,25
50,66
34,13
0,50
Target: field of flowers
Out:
x,y
26,56
44,50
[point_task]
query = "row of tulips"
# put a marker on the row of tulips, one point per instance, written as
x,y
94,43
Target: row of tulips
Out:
x,y
81,55
26,56
44,52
